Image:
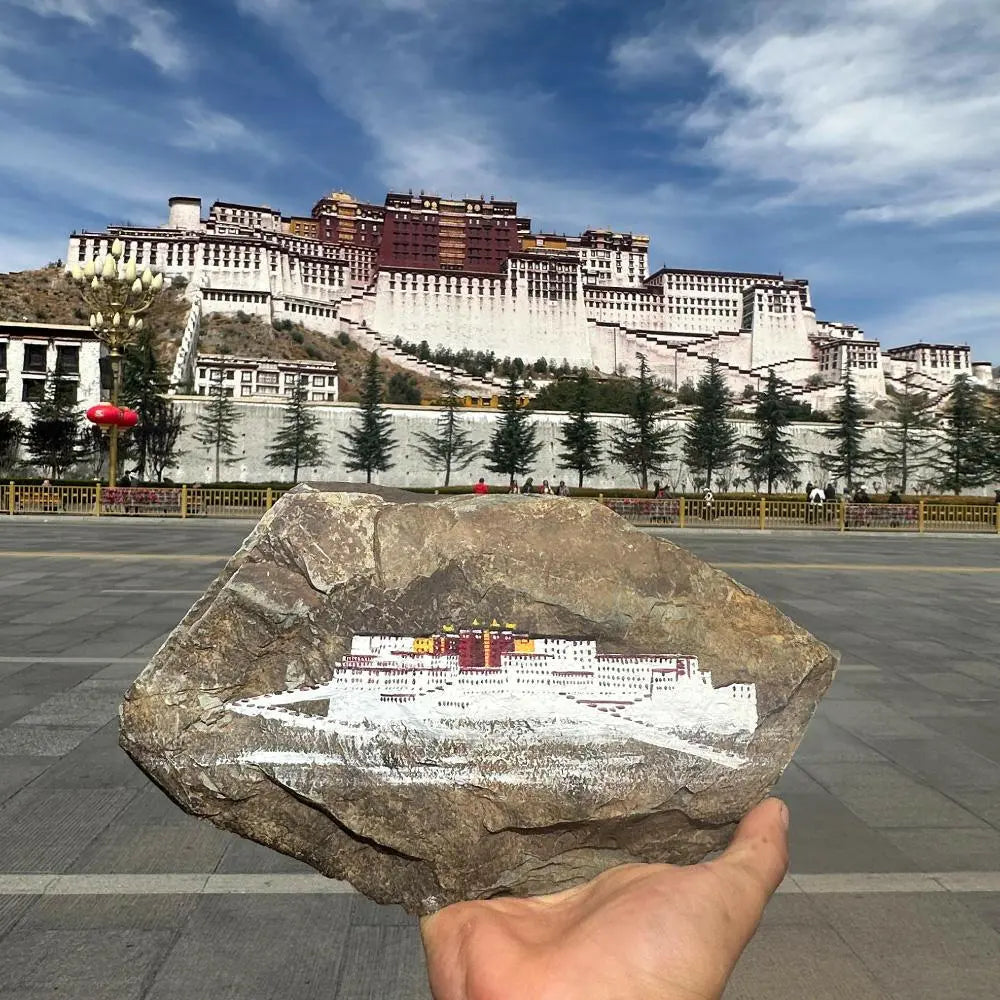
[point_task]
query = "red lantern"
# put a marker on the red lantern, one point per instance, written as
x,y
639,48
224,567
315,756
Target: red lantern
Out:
x,y
104,414
128,418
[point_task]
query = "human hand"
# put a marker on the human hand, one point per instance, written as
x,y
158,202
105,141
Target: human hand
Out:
x,y
636,932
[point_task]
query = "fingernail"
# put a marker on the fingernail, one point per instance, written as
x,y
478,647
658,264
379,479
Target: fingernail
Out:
x,y
784,815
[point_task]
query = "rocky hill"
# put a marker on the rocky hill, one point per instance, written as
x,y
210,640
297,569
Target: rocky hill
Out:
x,y
47,295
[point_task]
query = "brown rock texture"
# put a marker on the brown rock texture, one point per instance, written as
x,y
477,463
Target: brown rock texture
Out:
x,y
429,817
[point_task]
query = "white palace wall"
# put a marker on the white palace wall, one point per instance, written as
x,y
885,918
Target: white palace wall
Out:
x,y
479,313
259,422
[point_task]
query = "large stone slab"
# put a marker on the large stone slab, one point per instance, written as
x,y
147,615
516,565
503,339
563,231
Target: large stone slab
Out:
x,y
472,696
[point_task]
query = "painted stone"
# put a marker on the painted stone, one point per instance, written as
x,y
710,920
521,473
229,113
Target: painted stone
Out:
x,y
472,697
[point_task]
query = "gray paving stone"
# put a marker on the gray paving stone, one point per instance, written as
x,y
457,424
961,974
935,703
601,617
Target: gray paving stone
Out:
x,y
826,741
942,765
42,741
80,964
918,947
986,671
981,734
79,706
18,772
97,763
244,857
882,796
825,836
154,850
12,909
805,963
85,912
399,971
985,905
951,849
45,830
260,947
873,719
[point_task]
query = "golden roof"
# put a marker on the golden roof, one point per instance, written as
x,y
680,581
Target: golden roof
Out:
x,y
340,196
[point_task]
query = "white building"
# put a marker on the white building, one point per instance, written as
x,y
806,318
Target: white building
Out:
x,y
34,354
265,378
586,299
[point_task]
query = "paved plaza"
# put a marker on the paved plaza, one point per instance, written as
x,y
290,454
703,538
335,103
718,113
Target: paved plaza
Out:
x,y
110,892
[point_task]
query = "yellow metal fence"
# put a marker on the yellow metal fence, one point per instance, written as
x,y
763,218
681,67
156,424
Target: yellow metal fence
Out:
x,y
762,513
721,512
137,501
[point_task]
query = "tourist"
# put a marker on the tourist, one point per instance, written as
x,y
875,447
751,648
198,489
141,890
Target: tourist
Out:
x,y
481,486
545,488
861,496
563,489
894,496
665,931
830,493
513,488
809,490
529,485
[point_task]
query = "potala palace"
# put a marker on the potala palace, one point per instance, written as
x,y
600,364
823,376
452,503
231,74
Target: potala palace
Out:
x,y
471,273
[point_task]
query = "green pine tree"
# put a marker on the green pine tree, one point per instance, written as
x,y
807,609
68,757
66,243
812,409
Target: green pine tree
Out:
x,y
163,425
991,430
849,460
11,434
710,439
370,444
909,442
449,447
642,445
402,388
145,384
512,449
54,439
298,442
964,461
580,436
769,456
216,428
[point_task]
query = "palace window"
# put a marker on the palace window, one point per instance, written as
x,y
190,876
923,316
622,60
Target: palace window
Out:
x,y
67,360
33,390
34,358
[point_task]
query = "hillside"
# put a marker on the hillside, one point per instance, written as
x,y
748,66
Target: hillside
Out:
x,y
47,295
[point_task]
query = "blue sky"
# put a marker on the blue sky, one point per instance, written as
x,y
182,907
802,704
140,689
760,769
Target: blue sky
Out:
x,y
855,143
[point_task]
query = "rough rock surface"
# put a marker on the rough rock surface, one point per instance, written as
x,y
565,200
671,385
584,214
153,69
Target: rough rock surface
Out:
x,y
425,817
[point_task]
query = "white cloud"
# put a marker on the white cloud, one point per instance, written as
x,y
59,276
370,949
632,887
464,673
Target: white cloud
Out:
x,y
151,31
216,132
948,317
888,109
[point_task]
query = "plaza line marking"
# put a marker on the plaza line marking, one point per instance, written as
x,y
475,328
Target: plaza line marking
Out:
x,y
848,567
115,556
867,883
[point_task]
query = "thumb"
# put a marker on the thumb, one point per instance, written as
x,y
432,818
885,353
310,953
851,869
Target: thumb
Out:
x,y
758,854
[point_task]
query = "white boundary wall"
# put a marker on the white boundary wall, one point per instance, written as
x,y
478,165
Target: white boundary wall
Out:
x,y
261,421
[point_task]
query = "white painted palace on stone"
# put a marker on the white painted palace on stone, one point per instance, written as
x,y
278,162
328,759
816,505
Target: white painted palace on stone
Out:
x,y
471,273
473,679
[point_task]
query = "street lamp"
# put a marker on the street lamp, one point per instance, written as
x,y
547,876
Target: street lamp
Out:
x,y
116,294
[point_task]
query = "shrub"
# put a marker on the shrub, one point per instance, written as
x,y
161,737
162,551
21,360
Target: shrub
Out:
x,y
344,339
298,336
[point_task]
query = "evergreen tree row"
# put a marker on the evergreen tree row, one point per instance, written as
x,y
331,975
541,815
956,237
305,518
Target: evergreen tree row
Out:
x,y
957,438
